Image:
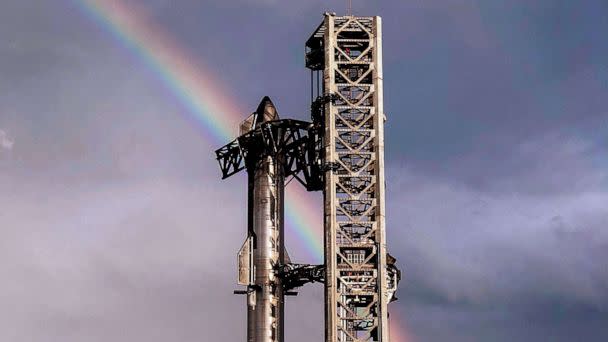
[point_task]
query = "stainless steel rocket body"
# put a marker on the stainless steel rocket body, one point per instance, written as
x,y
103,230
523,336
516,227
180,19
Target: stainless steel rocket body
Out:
x,y
265,299
270,149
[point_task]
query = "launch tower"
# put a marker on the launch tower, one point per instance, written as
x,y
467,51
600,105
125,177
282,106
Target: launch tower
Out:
x,y
341,152
344,55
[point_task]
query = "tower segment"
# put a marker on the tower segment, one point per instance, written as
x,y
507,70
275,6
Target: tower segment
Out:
x,y
344,55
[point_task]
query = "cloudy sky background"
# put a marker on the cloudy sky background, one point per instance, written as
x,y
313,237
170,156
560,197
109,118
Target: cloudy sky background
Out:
x,y
114,224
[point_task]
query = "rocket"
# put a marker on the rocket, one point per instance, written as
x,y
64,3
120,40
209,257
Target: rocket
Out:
x,y
263,248
270,149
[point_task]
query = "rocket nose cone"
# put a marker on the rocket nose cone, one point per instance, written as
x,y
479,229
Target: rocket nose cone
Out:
x,y
267,111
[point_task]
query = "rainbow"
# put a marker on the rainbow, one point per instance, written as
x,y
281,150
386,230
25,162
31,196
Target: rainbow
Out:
x,y
199,91
196,88
397,328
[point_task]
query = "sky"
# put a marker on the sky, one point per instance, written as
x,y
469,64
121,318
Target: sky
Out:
x,y
115,225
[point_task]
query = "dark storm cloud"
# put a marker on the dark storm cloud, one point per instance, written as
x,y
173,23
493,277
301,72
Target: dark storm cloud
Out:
x,y
520,258
519,78
496,150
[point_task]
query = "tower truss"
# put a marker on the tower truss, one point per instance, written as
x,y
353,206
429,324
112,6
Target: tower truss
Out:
x,y
344,55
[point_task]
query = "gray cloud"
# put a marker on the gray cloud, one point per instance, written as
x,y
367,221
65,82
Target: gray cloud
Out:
x,y
523,252
110,225
131,263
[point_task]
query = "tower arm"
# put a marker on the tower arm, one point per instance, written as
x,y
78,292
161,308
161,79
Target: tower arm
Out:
x,y
297,141
297,275
230,159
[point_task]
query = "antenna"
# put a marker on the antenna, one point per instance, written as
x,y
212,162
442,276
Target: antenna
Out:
x,y
350,7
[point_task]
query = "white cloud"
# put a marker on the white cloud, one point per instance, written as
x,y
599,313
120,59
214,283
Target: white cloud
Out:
x,y
5,142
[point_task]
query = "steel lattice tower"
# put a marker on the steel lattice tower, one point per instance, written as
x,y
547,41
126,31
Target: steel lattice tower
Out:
x,y
345,55
341,152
